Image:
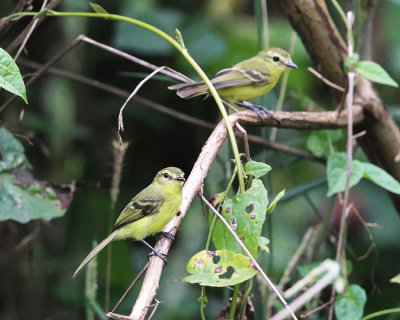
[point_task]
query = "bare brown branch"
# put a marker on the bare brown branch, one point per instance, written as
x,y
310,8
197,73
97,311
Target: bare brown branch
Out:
x,y
311,20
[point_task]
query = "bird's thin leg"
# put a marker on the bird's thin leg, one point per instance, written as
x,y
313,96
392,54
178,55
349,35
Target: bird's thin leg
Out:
x,y
229,105
256,108
166,234
155,252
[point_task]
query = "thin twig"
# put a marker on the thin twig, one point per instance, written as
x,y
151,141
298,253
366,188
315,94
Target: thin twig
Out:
x,y
28,35
156,304
340,252
139,275
141,83
325,80
166,71
119,150
332,269
28,238
245,140
178,115
45,67
256,265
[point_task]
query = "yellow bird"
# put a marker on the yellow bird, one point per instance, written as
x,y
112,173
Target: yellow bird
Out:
x,y
147,213
246,80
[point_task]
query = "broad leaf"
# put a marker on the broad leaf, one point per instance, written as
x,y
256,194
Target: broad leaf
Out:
x,y
336,173
350,304
374,72
257,169
23,203
10,76
11,152
381,177
219,268
245,213
22,198
318,142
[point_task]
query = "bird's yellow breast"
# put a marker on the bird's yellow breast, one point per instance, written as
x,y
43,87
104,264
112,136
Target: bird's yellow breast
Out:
x,y
155,222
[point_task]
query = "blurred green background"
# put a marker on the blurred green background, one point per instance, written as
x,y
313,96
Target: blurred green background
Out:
x,y
72,126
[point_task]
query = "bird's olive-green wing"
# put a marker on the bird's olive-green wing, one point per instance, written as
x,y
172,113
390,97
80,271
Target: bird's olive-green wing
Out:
x,y
145,203
237,77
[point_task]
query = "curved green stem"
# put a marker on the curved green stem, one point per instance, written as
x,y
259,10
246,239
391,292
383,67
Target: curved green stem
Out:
x,y
234,302
343,16
178,45
381,313
203,302
244,300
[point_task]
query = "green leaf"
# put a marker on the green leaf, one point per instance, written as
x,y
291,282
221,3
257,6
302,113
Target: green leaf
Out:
x,y
396,279
257,169
278,197
374,72
97,8
25,202
319,141
11,152
336,173
381,178
263,243
350,61
350,304
219,268
21,197
245,213
10,77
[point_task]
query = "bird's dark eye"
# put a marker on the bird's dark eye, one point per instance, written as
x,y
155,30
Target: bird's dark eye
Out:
x,y
166,175
275,58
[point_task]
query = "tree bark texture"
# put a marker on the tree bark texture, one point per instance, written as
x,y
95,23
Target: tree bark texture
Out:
x,y
322,40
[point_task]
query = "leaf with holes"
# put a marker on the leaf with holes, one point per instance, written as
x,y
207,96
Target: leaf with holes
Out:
x,y
219,268
10,77
245,213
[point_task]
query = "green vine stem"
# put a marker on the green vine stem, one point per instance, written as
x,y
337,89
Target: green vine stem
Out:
x,y
172,41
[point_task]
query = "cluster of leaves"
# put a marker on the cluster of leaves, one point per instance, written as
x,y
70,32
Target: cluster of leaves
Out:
x,y
245,212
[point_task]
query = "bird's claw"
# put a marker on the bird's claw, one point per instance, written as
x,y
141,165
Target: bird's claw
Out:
x,y
166,234
259,110
162,256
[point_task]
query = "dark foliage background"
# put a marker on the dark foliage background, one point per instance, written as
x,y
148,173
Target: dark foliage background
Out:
x,y
72,127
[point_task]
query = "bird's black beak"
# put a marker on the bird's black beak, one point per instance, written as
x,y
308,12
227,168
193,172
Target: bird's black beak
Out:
x,y
180,179
291,65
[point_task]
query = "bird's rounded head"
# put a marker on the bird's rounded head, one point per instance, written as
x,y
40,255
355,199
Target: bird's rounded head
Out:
x,y
277,57
170,175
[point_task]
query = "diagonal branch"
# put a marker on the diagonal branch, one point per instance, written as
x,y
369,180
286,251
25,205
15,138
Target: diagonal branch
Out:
x,y
192,186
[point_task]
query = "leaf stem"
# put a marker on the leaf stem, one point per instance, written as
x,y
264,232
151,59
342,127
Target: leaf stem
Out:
x,y
234,302
177,46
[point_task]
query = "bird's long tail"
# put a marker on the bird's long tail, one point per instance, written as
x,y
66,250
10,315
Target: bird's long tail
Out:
x,y
95,251
189,90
